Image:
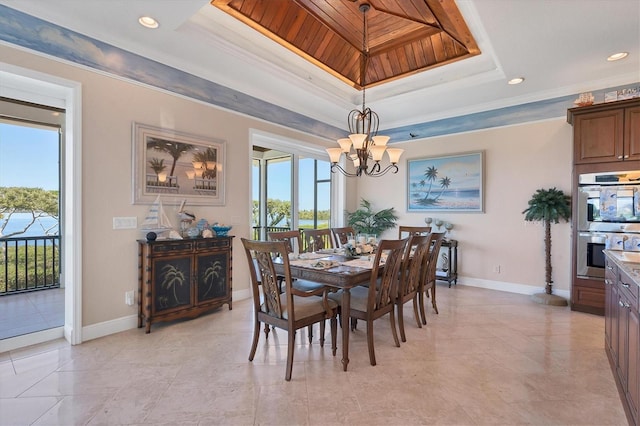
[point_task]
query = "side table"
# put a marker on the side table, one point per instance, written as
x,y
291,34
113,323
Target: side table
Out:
x,y
447,269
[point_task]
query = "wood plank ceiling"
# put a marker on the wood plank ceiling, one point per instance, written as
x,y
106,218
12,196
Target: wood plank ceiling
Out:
x,y
404,37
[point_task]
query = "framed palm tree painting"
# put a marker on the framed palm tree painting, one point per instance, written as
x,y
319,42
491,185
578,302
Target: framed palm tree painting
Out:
x,y
182,166
453,183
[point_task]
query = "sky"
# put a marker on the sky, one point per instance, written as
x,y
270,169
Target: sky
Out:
x,y
281,188
28,157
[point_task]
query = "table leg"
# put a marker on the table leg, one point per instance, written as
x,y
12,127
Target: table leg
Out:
x,y
346,326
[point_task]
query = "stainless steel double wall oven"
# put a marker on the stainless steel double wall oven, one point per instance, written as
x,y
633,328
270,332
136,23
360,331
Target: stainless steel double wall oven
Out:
x,y
608,218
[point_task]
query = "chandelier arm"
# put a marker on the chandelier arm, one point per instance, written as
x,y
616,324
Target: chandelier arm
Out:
x,y
391,167
337,167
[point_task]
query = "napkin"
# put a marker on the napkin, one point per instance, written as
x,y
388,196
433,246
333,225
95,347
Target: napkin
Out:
x,y
324,264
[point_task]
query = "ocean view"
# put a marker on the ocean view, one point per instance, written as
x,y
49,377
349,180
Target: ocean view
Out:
x,y
42,226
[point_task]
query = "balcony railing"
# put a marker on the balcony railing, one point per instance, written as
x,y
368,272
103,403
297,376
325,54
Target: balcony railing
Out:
x,y
267,229
29,263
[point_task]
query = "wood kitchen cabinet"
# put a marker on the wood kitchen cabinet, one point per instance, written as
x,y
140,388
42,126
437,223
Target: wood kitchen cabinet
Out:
x,y
182,278
606,139
607,132
611,307
628,334
622,333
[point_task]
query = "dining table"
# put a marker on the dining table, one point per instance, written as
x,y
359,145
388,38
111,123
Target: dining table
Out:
x,y
336,271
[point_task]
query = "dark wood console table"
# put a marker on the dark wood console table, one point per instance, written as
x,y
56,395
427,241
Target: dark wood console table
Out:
x,y
182,278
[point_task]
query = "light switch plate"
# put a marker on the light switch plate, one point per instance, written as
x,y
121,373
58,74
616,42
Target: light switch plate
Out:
x,y
125,222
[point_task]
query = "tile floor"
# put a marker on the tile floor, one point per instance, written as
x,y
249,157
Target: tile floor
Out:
x,y
30,312
488,358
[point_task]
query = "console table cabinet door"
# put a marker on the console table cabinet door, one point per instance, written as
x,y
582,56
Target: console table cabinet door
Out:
x,y
212,277
171,284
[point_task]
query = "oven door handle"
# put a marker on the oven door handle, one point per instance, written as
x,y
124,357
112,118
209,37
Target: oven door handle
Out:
x,y
596,238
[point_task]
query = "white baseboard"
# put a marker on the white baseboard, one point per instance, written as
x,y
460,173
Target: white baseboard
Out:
x,y
117,325
106,328
38,337
508,287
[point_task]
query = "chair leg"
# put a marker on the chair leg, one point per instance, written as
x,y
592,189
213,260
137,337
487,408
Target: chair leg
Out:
x,y
310,328
266,330
256,336
372,352
401,321
392,319
322,325
334,335
433,297
290,349
416,315
423,314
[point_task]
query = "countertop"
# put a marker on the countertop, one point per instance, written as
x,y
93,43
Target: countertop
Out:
x,y
628,261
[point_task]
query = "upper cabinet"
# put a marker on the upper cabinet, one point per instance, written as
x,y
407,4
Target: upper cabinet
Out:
x,y
606,133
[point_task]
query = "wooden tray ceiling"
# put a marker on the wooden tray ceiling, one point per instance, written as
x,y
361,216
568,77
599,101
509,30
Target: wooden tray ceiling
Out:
x,y
404,36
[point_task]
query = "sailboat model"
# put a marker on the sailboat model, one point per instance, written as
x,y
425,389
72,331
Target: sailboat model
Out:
x,y
156,220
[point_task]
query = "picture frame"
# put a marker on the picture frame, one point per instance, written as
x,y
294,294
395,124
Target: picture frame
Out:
x,y
451,183
181,167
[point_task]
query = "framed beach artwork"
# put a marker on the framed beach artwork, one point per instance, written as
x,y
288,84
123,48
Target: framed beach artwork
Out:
x,y
452,183
179,166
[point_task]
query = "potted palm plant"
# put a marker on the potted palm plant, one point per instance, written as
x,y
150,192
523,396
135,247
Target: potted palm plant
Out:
x,y
548,206
366,221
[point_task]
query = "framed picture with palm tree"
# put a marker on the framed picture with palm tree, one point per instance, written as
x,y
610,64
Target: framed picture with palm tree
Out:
x,y
452,183
180,165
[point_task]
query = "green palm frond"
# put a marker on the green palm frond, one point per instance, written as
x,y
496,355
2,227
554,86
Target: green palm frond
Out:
x,y
548,205
366,221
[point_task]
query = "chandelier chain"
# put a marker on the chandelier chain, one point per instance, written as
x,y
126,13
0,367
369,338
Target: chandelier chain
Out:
x,y
364,8
363,128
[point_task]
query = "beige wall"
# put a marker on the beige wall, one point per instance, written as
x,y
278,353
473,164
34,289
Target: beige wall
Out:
x,y
518,160
109,107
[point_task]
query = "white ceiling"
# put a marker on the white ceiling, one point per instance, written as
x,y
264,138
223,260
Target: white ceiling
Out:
x,y
559,46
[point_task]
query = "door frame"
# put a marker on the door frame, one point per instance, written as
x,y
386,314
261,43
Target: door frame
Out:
x,y
44,89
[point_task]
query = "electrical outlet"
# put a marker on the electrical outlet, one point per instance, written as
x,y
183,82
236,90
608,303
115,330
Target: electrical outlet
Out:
x,y
129,298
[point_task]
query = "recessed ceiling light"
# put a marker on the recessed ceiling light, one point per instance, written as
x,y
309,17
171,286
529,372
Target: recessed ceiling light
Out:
x,y
148,22
517,80
617,56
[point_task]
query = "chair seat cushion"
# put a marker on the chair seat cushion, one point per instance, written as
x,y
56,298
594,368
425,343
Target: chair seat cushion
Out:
x,y
304,306
359,296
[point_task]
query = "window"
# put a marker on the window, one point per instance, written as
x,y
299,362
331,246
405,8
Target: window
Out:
x,y
291,187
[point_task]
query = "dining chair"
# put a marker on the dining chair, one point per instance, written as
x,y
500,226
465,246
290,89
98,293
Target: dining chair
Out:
x,y
411,271
376,300
429,275
290,310
404,230
341,235
317,239
292,238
